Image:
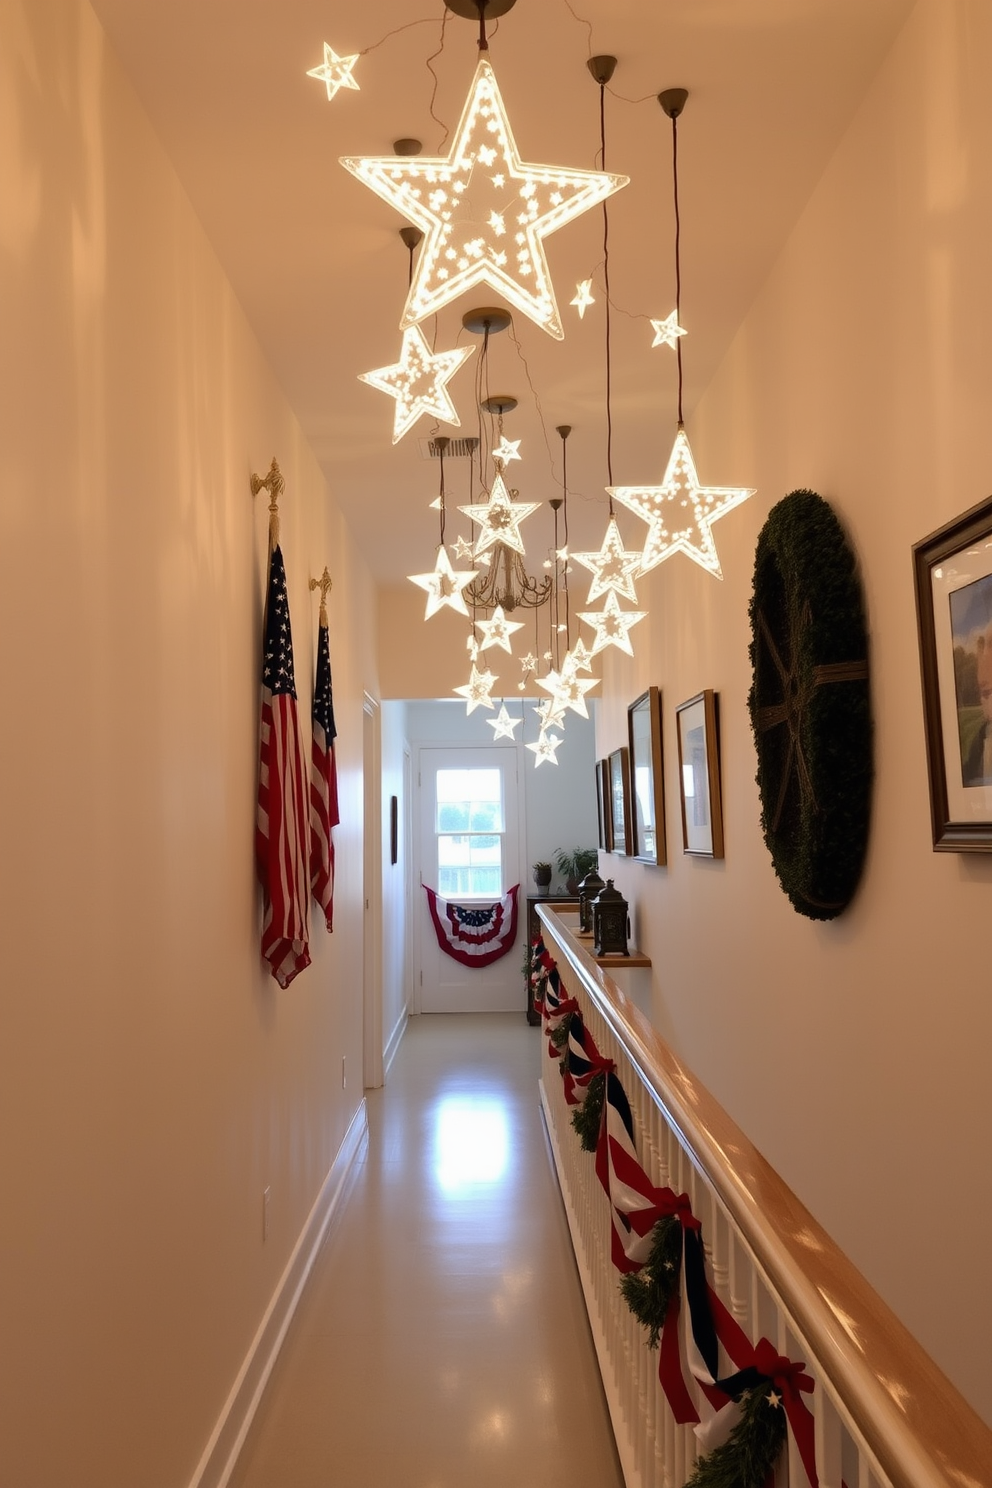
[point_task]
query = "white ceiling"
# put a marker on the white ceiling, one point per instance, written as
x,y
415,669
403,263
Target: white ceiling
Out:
x,y
317,263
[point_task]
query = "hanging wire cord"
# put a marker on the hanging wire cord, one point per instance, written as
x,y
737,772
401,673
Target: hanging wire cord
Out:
x,y
606,286
441,444
678,259
483,39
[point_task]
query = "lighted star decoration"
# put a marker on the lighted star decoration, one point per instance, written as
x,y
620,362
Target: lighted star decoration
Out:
x,y
498,630
568,690
335,71
463,548
579,659
418,382
667,331
529,662
612,625
444,586
499,518
680,512
483,211
507,450
583,297
545,747
551,712
477,689
612,568
503,725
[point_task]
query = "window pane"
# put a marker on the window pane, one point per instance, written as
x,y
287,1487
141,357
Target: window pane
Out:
x,y
470,866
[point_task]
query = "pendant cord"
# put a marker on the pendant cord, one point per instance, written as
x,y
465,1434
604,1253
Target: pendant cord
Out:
x,y
606,286
442,513
483,39
564,513
678,259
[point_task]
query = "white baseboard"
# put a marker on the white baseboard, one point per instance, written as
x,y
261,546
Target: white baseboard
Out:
x,y
394,1041
221,1452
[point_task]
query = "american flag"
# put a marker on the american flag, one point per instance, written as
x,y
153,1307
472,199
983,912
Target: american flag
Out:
x,y
323,780
281,830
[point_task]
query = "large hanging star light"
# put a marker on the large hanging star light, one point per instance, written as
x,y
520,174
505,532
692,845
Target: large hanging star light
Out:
x,y
335,71
612,568
667,331
477,689
503,725
680,512
498,630
545,747
418,382
444,586
565,688
612,625
551,711
499,518
484,212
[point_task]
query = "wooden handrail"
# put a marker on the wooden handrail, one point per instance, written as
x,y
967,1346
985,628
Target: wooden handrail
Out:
x,y
923,1433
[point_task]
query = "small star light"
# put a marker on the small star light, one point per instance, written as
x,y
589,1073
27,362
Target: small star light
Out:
x,y
579,659
477,689
503,725
499,518
463,548
680,512
583,297
612,568
498,630
444,586
545,747
336,71
507,450
529,662
418,382
612,625
484,212
667,331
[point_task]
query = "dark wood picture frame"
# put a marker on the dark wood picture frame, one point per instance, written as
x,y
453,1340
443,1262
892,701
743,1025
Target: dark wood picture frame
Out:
x,y
603,804
697,727
619,802
952,569
647,782
394,829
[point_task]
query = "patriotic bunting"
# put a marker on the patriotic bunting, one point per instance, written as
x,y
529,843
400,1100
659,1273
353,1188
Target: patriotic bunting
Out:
x,y
474,934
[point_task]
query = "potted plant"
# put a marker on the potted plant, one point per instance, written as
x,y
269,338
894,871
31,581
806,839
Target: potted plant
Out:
x,y
542,875
574,863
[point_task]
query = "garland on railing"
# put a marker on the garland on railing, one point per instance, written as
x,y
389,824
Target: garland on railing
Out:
x,y
752,1394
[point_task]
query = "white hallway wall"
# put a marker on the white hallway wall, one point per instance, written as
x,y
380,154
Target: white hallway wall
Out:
x,y
854,1053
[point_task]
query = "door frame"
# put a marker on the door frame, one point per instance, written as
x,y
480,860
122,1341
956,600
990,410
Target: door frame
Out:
x,y
372,1060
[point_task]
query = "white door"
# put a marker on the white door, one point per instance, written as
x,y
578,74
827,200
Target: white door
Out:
x,y
470,836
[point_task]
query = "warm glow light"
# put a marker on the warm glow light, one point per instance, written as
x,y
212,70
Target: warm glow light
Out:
x,y
545,748
667,331
566,688
483,211
444,586
499,518
418,382
612,568
612,625
336,71
507,449
477,689
583,297
503,725
498,630
680,512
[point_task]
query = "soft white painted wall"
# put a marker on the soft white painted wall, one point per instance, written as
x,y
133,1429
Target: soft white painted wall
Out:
x,y
396,963
854,1053
153,1080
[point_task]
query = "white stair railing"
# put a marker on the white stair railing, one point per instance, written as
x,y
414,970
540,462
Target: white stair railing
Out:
x,y
885,1416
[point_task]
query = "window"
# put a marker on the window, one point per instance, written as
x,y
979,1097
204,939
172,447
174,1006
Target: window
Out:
x,y
469,826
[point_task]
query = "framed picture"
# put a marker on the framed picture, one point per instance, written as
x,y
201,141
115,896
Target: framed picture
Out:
x,y
953,571
394,829
699,776
647,796
603,804
619,802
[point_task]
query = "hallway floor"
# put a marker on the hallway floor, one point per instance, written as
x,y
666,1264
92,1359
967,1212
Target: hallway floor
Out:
x,y
442,1341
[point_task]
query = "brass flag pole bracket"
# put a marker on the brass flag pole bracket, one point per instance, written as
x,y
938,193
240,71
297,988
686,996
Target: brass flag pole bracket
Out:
x,y
325,584
274,484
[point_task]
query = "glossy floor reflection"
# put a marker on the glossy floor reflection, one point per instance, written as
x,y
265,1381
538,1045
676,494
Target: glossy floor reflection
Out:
x,y
442,1341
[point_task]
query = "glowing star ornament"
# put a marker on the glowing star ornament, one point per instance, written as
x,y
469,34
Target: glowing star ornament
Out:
x,y
444,586
418,382
483,211
477,689
503,725
579,659
667,331
551,712
463,548
583,297
507,450
529,662
612,625
612,568
545,748
566,689
680,512
498,630
336,71
499,518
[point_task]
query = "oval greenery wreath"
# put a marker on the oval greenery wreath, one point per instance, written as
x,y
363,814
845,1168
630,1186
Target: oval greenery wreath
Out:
x,y
809,704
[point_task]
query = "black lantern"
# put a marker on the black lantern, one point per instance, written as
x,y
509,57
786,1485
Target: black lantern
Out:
x,y
588,889
609,922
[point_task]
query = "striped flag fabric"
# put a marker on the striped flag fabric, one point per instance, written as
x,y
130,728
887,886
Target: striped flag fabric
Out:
x,y
324,814
281,822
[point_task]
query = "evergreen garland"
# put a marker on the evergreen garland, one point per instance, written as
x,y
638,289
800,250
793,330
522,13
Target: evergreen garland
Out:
x,y
559,1035
746,1459
586,1118
648,1292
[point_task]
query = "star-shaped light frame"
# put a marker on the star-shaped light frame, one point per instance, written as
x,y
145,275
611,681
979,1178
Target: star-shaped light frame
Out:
x,y
667,331
583,297
612,625
499,518
680,512
503,725
498,630
335,71
418,382
507,450
613,567
483,211
444,586
568,690
545,747
477,689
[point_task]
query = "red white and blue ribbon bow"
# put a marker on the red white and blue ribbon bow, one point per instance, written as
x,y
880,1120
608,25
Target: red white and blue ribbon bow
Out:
x,y
474,934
